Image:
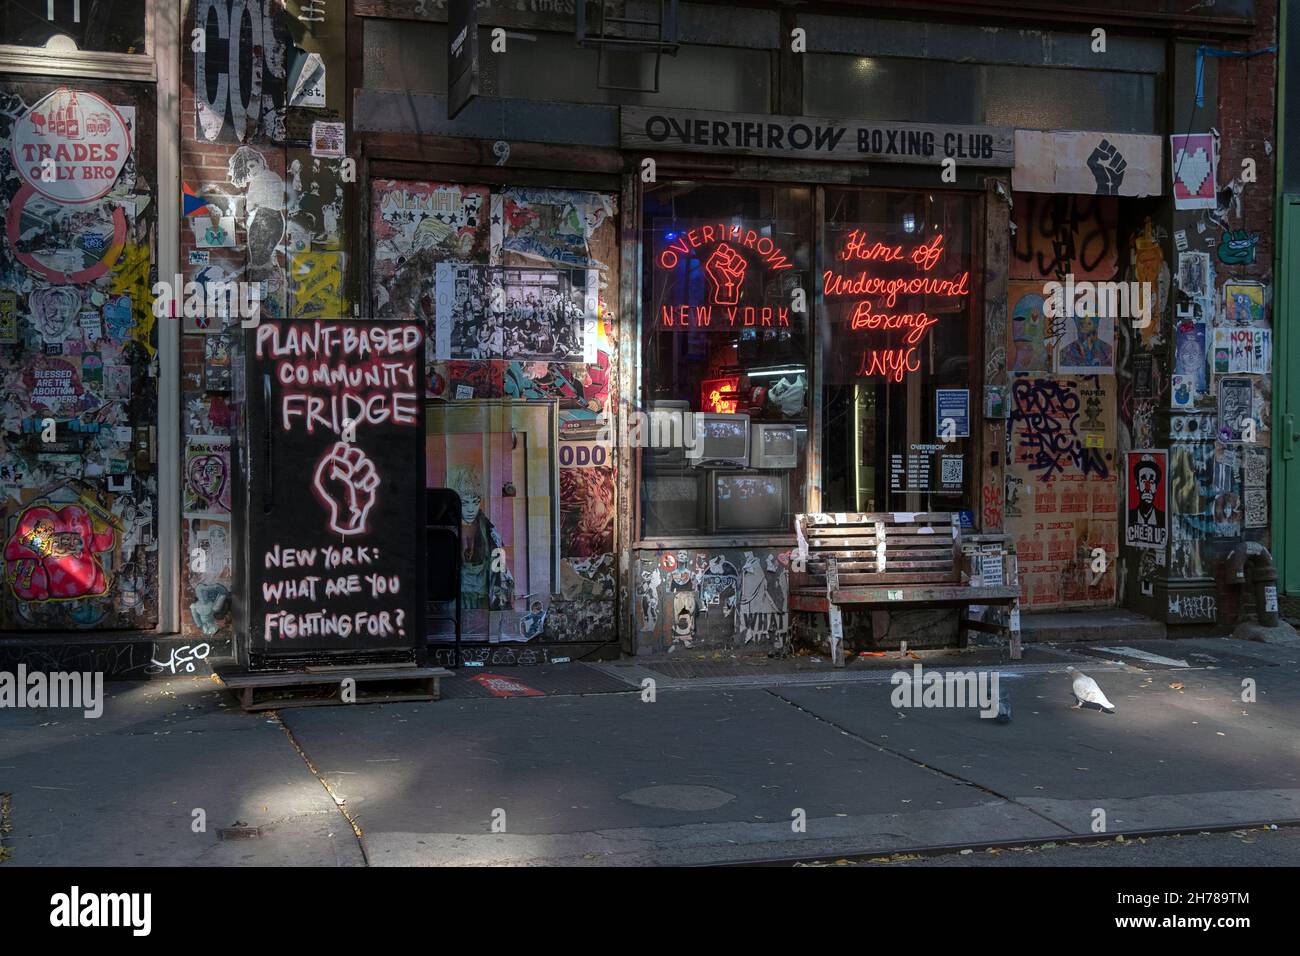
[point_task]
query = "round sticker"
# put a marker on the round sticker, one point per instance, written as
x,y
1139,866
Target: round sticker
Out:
x,y
71,146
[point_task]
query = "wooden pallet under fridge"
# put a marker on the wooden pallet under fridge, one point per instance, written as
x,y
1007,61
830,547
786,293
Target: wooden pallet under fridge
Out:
x,y
323,686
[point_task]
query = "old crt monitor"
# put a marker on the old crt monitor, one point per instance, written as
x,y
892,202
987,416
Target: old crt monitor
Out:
x,y
773,446
673,502
720,441
749,501
670,427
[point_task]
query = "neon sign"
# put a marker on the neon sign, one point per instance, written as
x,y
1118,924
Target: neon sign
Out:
x,y
901,355
720,395
731,257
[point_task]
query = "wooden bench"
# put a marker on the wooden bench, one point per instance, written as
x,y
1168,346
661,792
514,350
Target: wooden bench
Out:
x,y
891,561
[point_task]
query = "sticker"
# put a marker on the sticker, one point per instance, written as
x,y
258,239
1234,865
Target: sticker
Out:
x,y
309,82
8,317
200,257
328,140
217,232
92,326
1195,166
1270,598
85,138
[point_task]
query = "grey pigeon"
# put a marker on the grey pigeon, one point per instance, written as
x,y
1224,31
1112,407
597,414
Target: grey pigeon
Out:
x,y
1086,691
1004,705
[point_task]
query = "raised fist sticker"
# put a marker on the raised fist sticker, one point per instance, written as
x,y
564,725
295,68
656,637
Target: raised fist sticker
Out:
x,y
345,481
726,272
1107,165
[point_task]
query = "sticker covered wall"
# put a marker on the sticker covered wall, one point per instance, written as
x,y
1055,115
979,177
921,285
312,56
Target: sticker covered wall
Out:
x,y
78,405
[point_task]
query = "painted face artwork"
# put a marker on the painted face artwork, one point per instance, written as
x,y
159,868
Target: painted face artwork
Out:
x,y
53,310
51,555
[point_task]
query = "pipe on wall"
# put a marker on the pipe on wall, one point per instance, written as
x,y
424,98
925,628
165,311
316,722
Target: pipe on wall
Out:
x,y
1263,575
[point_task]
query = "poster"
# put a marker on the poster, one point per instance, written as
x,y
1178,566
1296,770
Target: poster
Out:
x,y
1243,349
416,226
952,404
328,140
543,313
465,324
1086,345
1030,329
1071,161
1195,279
1243,302
1195,166
1236,409
205,483
1190,361
1147,517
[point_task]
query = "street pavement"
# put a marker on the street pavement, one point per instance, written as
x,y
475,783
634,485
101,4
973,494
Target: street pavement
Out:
x,y
728,760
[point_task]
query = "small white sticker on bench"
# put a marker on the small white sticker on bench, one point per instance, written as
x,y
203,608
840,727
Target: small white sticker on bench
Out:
x,y
904,517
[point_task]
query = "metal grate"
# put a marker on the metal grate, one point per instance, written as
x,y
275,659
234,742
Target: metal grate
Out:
x,y
627,34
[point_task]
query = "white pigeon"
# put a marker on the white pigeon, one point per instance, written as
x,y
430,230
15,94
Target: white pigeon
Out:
x,y
1086,691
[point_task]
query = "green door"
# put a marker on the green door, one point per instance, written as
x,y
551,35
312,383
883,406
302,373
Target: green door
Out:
x,y
1286,401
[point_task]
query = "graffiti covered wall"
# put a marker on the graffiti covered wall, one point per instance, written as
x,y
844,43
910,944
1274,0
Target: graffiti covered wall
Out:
x,y
266,192
714,598
1060,483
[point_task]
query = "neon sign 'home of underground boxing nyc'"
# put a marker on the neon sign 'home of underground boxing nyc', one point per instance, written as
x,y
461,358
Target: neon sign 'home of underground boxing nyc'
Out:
x,y
725,267
895,362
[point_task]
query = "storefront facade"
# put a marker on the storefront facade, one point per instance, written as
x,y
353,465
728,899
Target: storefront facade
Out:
x,y
824,252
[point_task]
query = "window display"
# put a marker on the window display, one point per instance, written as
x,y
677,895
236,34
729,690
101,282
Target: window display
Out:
x,y
900,289
727,295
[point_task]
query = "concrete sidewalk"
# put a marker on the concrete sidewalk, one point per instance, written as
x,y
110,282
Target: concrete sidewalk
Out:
x,y
715,769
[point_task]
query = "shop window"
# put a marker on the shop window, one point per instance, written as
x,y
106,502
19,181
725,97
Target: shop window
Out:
x,y
900,351
892,88
940,91
727,294
71,26
411,56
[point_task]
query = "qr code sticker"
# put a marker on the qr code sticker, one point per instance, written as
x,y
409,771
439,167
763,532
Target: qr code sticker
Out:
x,y
950,470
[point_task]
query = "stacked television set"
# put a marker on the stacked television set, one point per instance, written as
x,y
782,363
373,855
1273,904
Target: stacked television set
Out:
x,y
711,473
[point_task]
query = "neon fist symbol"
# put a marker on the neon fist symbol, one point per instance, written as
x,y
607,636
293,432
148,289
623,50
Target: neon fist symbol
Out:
x,y
51,555
726,271
345,482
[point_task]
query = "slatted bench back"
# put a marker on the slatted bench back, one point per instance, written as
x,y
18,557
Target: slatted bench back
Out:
x,y
887,548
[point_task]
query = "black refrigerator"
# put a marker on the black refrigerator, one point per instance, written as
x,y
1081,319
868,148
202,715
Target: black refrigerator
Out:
x,y
330,495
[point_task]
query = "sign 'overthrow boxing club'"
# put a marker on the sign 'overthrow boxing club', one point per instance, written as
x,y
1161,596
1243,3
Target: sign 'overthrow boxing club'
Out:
x,y
809,137
71,146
